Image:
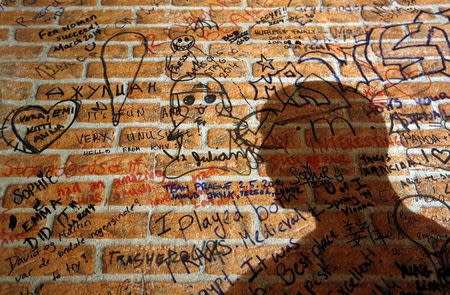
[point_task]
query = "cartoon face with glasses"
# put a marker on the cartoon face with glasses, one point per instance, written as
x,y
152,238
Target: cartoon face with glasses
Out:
x,y
200,103
199,100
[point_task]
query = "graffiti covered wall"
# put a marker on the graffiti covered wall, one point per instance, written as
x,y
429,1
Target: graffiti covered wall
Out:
x,y
224,147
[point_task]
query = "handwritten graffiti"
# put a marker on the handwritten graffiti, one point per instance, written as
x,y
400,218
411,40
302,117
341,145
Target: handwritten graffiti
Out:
x,y
36,128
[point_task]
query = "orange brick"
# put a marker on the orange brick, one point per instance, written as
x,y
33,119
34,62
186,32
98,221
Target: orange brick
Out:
x,y
26,227
82,257
198,225
306,68
158,16
130,187
162,259
287,225
348,33
237,16
135,2
101,287
278,165
102,16
86,139
27,18
381,165
209,116
281,3
325,16
14,288
149,90
356,2
226,69
387,72
238,90
84,193
111,225
390,15
234,263
135,287
156,34
438,188
32,35
44,70
445,111
108,164
131,112
280,138
287,33
9,3
27,165
207,34
424,138
158,49
63,2
19,52
80,91
156,138
15,90
345,139
248,50
206,3
81,53
417,226
4,34
125,69
385,258
419,2
419,91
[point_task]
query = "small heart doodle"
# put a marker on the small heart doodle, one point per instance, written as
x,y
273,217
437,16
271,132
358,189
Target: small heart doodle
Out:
x,y
442,155
36,128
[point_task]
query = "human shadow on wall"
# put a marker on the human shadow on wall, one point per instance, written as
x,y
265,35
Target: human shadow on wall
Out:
x,y
354,231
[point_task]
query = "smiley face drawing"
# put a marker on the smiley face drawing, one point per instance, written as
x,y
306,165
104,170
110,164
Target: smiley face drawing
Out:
x,y
185,60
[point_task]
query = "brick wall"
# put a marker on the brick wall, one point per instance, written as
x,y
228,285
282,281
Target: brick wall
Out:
x,y
224,147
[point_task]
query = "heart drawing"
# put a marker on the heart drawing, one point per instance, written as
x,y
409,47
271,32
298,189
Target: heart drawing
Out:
x,y
442,155
38,128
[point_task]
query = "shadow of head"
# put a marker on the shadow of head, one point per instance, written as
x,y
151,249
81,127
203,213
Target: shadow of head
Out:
x,y
345,226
